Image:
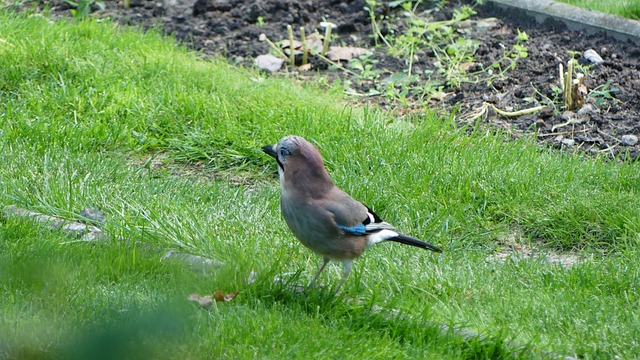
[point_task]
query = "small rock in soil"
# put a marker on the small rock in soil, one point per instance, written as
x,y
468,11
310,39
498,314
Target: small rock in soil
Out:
x,y
587,109
629,140
593,57
92,215
568,115
269,62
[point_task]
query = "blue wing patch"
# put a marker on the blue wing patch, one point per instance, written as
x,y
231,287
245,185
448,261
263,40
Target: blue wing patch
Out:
x,y
359,229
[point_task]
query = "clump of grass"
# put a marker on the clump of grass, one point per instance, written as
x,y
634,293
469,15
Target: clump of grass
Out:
x,y
625,8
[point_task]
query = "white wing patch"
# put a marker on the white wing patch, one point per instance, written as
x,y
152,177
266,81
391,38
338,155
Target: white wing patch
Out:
x,y
371,227
380,236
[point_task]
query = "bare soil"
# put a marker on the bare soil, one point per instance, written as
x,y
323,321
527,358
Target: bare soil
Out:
x,y
233,27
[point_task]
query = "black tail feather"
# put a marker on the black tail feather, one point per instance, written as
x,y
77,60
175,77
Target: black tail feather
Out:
x,y
407,240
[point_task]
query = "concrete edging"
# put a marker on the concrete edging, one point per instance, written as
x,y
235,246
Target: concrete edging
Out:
x,y
573,17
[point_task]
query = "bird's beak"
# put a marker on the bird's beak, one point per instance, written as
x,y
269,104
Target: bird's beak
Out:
x,y
270,150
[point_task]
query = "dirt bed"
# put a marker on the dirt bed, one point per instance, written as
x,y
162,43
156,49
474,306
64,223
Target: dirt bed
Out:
x,y
608,123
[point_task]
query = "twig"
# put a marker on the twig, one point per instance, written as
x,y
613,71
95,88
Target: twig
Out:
x,y
562,133
519,112
327,39
611,136
292,55
568,80
569,122
264,37
326,59
304,46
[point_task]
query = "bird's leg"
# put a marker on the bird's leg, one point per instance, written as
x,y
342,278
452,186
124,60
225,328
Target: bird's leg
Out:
x,y
325,261
346,266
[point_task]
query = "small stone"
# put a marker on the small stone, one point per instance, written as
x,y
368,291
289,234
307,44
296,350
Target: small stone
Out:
x,y
629,140
567,115
592,56
92,215
587,109
568,142
269,62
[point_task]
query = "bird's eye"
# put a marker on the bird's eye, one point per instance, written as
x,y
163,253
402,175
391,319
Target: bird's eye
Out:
x,y
284,152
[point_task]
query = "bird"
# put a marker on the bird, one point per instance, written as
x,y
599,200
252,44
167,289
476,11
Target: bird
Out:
x,y
322,216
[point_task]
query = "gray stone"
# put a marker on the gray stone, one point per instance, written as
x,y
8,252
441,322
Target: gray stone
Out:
x,y
593,57
269,62
197,263
568,115
587,109
629,140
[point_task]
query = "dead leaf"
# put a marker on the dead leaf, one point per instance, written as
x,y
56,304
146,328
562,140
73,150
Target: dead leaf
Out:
x,y
269,62
305,67
207,300
465,66
296,44
221,296
286,47
315,42
337,53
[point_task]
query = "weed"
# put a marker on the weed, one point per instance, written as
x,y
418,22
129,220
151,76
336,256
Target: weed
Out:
x,y
365,64
455,54
603,93
82,8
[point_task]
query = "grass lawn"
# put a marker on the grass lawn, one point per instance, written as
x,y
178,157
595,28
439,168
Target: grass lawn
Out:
x,y
625,8
168,146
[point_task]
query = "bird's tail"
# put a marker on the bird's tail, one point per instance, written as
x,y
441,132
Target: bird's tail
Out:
x,y
403,239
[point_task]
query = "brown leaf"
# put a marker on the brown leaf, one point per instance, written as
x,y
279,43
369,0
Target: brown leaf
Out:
x,y
347,53
296,44
305,67
221,296
269,62
314,45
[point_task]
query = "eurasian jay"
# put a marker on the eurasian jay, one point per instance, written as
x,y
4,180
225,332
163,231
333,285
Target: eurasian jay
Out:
x,y
323,217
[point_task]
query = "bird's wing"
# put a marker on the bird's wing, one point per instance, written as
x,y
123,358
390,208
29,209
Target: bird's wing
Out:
x,y
352,216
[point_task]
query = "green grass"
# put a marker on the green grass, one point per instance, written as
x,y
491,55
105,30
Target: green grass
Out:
x,y
625,8
86,107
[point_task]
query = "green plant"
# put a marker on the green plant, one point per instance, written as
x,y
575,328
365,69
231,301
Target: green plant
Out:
x,y
82,8
603,93
365,64
455,53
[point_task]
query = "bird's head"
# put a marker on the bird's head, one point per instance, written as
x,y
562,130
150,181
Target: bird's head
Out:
x,y
297,159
